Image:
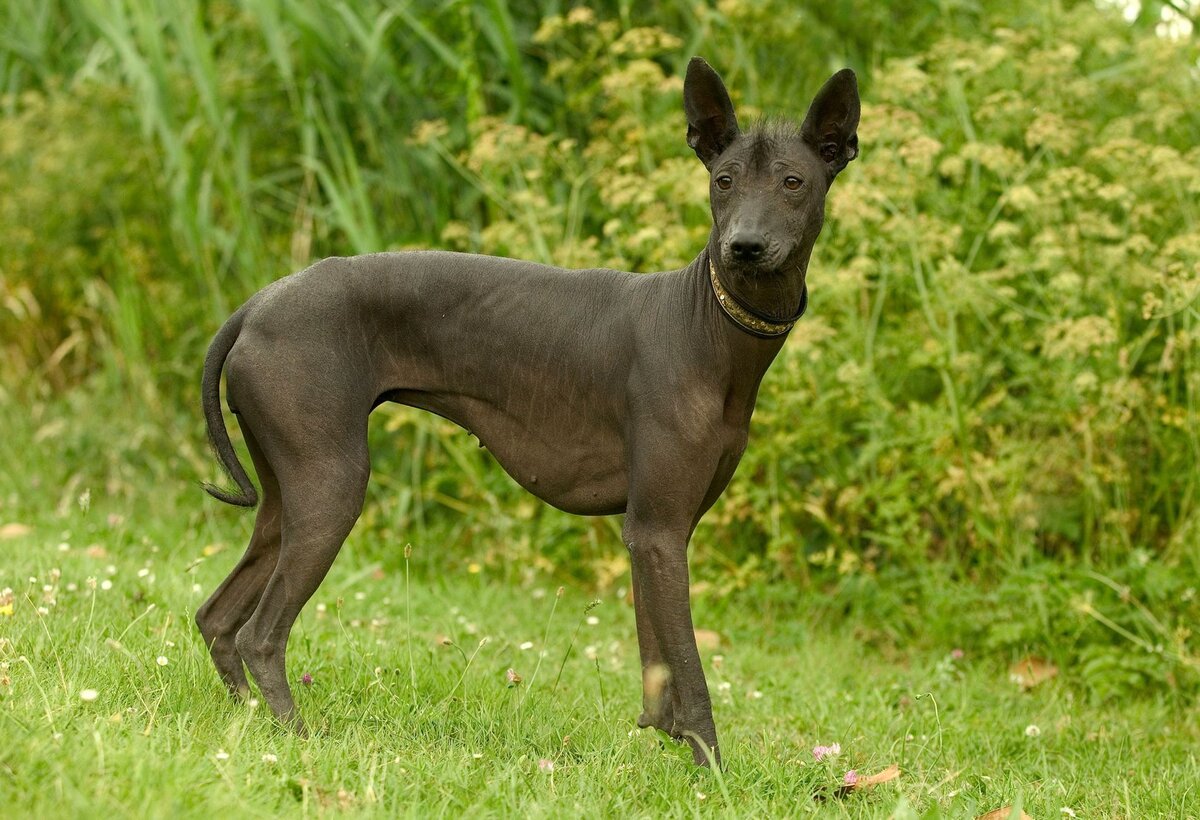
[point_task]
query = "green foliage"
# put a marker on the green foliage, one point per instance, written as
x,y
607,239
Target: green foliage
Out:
x,y
997,380
1004,359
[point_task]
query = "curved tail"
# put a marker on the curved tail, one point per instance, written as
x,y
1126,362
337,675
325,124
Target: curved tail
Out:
x,y
218,436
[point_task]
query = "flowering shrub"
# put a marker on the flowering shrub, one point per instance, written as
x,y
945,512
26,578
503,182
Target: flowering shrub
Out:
x,y
1001,355
1007,359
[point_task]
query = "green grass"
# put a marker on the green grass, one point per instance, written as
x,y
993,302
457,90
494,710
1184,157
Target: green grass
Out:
x,y
448,735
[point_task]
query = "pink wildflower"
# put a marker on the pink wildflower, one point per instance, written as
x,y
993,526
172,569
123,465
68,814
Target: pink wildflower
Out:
x,y
546,765
306,679
957,654
821,752
851,778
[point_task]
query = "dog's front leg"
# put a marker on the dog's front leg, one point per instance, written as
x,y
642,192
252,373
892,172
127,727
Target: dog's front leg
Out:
x,y
658,695
678,693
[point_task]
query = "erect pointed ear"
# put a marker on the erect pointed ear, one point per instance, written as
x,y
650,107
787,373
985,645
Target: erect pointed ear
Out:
x,y
712,125
831,125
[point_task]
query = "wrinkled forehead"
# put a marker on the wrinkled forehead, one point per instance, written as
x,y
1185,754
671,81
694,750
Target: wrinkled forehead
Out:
x,y
764,145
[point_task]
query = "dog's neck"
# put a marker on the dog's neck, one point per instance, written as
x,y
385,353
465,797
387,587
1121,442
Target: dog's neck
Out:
x,y
745,357
748,318
763,304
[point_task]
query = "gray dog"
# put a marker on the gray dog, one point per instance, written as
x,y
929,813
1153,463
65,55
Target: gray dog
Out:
x,y
599,391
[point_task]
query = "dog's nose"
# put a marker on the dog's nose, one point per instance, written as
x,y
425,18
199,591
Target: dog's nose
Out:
x,y
747,247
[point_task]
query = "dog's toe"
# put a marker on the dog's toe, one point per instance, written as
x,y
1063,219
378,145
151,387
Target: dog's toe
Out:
x,y
665,725
295,724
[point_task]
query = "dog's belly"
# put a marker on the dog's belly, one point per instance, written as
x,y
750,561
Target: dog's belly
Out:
x,y
574,464
583,481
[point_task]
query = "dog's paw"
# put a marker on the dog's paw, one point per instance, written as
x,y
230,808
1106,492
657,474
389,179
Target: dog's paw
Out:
x,y
295,724
706,756
663,723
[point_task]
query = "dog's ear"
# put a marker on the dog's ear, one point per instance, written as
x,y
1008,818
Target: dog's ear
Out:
x,y
831,125
712,125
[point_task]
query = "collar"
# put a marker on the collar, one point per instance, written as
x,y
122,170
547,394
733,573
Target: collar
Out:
x,y
748,319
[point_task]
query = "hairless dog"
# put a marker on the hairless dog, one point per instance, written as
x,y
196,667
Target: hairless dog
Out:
x,y
600,392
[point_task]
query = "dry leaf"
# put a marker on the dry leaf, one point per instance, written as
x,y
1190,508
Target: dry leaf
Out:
x,y
1030,671
14,530
707,639
1003,814
867,781
890,773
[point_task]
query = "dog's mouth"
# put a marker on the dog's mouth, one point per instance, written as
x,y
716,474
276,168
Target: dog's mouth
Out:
x,y
771,262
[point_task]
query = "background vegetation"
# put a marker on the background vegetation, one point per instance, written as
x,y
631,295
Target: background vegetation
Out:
x,y
983,435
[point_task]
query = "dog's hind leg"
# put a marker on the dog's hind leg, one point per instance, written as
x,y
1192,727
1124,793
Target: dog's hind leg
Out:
x,y
231,605
323,487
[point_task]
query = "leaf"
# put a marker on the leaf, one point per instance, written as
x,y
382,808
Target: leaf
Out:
x,y
890,773
1005,813
1031,671
862,782
14,530
707,639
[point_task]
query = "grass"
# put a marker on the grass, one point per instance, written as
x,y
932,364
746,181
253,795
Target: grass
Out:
x,y
421,720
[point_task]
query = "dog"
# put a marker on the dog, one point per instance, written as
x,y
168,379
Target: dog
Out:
x,y
601,392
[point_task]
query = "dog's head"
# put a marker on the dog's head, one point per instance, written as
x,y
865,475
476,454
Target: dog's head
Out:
x,y
767,184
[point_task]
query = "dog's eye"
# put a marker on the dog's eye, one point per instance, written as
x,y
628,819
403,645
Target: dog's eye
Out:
x,y
792,183
724,182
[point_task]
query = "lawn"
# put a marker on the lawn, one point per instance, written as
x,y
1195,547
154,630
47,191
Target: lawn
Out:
x,y
110,705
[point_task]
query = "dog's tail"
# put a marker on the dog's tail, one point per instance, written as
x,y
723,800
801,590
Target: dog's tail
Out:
x,y
218,436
